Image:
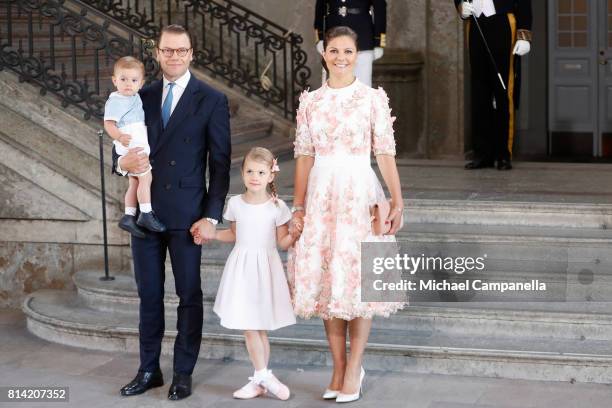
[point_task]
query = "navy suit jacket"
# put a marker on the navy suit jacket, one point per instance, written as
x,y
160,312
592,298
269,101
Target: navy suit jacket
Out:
x,y
198,133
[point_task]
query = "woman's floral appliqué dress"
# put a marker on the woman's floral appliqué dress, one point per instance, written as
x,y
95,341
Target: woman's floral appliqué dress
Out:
x,y
339,127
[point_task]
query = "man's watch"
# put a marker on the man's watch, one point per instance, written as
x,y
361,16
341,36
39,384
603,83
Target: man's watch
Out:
x,y
212,221
296,208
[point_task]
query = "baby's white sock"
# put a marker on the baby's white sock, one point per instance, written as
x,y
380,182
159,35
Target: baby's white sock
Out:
x,y
146,208
130,211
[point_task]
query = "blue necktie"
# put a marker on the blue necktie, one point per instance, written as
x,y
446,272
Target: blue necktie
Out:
x,y
167,106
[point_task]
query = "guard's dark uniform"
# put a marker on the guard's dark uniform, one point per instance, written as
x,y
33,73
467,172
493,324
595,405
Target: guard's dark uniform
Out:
x,y
355,14
493,108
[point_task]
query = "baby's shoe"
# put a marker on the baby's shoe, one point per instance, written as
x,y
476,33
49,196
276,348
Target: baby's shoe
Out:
x,y
128,223
250,390
273,385
150,221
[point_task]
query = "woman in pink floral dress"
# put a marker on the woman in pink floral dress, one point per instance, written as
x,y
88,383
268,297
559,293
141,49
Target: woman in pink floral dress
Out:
x,y
338,125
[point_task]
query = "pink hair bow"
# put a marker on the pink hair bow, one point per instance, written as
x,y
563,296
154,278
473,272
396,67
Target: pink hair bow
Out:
x,y
275,168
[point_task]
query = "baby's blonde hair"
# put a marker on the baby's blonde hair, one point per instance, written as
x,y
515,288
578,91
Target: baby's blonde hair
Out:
x,y
262,155
129,63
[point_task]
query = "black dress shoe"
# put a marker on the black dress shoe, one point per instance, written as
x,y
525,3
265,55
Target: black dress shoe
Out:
x,y
143,381
180,388
504,165
128,223
479,164
151,222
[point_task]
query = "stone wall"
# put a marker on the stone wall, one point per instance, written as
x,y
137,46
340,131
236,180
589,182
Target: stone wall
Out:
x,y
26,267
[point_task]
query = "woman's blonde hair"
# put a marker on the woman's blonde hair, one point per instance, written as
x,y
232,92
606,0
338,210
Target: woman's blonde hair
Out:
x,y
263,155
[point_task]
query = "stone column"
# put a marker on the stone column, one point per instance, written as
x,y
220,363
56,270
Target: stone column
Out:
x,y
432,30
399,73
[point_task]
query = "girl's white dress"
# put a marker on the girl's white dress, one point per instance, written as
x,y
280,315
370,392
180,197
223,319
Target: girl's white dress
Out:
x,y
253,293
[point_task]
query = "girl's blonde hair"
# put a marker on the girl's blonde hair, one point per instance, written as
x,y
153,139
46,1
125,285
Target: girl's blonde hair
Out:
x,y
263,155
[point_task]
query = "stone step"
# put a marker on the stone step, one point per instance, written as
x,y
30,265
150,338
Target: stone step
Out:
x,y
52,179
66,123
576,261
250,130
64,318
278,144
54,151
577,321
534,214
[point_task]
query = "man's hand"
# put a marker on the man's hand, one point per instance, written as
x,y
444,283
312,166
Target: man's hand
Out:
x,y
378,53
203,231
467,9
135,161
125,139
522,47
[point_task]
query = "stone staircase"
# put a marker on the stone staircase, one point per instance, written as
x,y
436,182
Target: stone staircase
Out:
x,y
560,341
51,213
56,150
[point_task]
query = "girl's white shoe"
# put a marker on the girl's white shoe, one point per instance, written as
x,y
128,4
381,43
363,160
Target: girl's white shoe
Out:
x,y
352,397
274,386
250,390
330,394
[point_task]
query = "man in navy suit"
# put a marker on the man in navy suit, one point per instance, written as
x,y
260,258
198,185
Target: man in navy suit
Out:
x,y
188,124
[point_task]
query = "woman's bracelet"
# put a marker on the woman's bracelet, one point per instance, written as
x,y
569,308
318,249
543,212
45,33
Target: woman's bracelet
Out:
x,y
297,208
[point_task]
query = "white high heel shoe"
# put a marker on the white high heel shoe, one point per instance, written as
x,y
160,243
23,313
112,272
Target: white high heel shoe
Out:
x,y
352,397
330,394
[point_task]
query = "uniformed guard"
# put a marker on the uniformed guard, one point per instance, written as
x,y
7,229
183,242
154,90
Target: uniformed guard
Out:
x,y
368,18
506,35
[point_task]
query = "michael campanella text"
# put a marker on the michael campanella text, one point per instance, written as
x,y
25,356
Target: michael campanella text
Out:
x,y
444,285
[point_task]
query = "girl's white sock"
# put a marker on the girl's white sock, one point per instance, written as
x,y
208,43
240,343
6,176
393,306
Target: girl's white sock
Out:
x,y
130,211
146,208
259,374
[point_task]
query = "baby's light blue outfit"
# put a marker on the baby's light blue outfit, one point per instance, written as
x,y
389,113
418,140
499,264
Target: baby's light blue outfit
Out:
x,y
127,111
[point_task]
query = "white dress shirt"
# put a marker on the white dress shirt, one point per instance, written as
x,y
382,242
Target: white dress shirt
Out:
x,y
485,7
177,90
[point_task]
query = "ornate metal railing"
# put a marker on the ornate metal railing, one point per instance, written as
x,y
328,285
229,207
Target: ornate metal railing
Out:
x,y
248,51
136,14
67,49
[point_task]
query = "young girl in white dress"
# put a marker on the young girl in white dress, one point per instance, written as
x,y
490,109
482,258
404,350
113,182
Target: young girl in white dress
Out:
x,y
253,294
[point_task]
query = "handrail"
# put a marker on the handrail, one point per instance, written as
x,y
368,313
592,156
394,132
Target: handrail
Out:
x,y
230,42
67,50
139,15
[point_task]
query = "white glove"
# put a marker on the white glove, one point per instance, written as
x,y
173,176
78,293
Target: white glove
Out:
x,y
467,9
522,47
320,47
378,53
